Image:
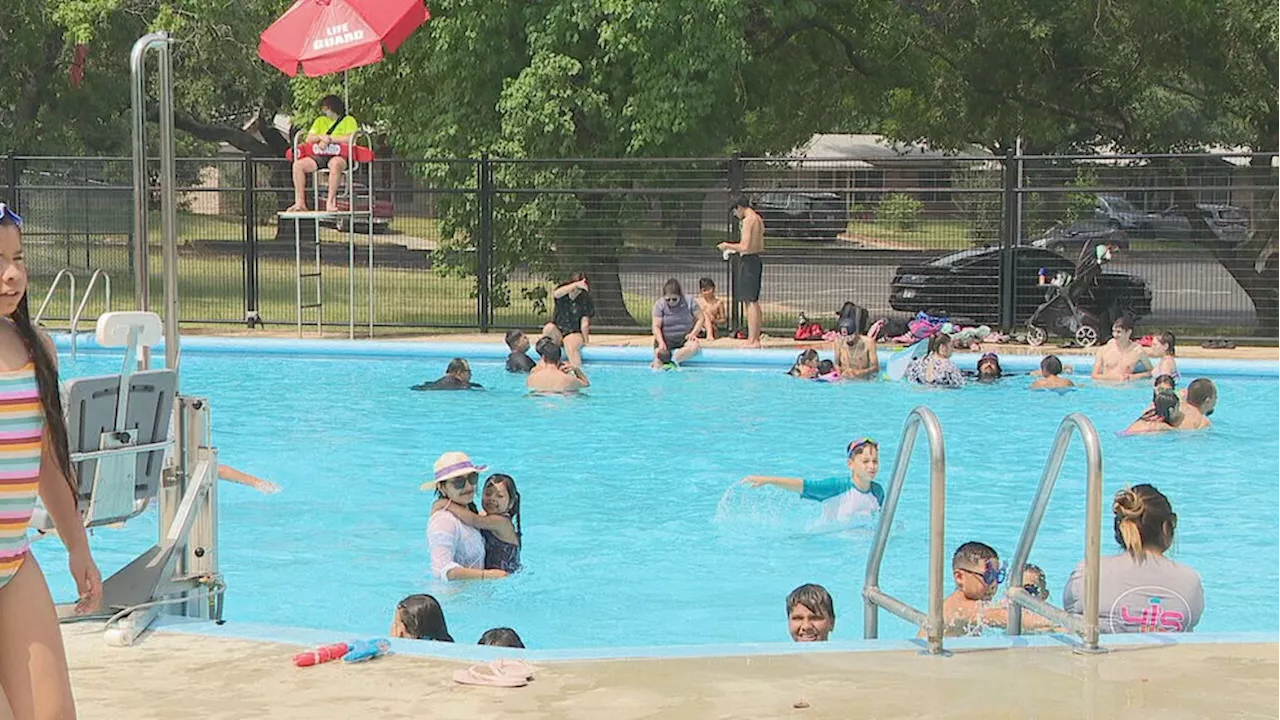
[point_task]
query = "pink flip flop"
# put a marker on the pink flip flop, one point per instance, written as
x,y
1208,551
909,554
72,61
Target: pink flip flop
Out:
x,y
489,675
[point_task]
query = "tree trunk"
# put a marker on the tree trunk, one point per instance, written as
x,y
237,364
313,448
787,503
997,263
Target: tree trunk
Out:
x,y
1251,263
606,290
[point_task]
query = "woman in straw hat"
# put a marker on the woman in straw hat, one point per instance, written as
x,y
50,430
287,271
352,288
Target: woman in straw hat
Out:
x,y
457,550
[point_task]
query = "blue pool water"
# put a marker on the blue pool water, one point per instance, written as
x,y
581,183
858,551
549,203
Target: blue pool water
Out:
x,y
635,531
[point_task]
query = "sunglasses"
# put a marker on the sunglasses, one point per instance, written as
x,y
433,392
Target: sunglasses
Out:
x,y
463,482
672,300
990,575
857,445
7,213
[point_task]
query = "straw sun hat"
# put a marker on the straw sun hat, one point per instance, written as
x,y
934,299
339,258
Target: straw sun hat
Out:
x,y
452,465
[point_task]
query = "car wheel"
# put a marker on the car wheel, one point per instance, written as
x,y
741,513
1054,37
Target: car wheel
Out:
x,y
1087,336
1036,335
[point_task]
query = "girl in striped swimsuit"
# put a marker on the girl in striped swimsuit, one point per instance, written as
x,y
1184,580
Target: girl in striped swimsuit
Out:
x,y
34,460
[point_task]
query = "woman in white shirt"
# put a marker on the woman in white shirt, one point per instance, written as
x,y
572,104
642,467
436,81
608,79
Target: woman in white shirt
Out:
x,y
457,550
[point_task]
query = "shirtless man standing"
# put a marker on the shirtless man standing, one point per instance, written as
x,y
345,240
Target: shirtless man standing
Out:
x,y
750,270
551,375
1121,359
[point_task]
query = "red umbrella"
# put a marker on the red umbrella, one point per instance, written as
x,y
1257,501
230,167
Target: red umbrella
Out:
x,y
328,36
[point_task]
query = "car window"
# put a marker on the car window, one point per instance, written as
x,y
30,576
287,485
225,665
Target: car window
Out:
x,y
1233,214
829,204
1119,204
964,257
769,198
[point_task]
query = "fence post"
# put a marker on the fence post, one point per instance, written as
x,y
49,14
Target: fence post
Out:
x,y
249,175
1010,227
11,172
484,248
736,183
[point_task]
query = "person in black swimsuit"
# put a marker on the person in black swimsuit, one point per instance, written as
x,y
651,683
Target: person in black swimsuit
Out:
x,y
500,523
572,319
456,377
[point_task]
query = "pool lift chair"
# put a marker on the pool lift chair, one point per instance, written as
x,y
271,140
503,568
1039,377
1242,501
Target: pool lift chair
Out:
x,y
119,442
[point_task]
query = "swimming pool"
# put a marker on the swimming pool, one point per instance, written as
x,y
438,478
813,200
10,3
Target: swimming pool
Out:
x,y
635,531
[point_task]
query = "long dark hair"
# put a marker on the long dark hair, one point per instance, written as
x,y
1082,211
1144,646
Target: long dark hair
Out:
x,y
509,483
47,383
423,618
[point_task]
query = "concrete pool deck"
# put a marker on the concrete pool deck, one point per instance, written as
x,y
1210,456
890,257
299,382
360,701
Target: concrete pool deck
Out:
x,y
172,675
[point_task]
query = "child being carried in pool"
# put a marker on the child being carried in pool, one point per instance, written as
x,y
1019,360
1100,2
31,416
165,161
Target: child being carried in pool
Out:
x,y
841,497
806,365
499,525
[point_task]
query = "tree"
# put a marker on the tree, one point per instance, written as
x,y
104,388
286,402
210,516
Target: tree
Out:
x,y
1141,76
220,83
587,79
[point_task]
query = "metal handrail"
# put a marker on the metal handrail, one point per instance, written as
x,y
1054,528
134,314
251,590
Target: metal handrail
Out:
x,y
57,279
84,301
873,596
1085,625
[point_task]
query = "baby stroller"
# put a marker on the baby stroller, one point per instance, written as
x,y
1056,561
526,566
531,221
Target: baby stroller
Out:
x,y
1061,313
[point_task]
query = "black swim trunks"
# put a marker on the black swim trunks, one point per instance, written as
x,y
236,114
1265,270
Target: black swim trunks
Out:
x,y
747,287
674,342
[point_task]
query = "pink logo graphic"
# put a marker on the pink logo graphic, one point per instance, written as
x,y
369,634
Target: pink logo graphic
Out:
x,y
1154,618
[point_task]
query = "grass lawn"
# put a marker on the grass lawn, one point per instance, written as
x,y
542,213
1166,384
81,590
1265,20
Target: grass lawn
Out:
x,y
928,234
210,288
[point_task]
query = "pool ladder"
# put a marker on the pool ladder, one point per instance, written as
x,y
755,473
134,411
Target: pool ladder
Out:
x,y
77,309
932,622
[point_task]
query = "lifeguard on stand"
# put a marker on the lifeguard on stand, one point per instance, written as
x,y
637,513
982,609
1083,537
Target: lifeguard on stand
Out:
x,y
330,142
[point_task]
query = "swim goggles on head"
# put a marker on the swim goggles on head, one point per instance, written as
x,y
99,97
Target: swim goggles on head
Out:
x,y
857,445
7,212
1031,589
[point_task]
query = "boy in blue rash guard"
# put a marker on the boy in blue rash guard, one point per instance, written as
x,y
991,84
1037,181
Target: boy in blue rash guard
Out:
x,y
841,497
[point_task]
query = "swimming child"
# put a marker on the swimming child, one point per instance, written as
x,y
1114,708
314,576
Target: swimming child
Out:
x,y
806,365
711,310
977,572
1165,382
500,523
1164,346
841,497
1051,375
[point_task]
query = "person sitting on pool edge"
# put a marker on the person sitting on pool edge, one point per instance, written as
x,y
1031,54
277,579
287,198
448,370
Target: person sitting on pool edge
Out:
x,y
1141,590
841,497
811,614
674,325
1051,375
710,310
457,376
551,374
571,316
420,617
518,361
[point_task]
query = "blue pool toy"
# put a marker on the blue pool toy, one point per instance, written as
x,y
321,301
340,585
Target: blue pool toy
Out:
x,y
897,366
361,650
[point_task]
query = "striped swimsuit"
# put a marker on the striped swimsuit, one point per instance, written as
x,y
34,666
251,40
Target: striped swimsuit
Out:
x,y
21,432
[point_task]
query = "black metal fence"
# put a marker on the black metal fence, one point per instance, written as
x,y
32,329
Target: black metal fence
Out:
x,y
479,243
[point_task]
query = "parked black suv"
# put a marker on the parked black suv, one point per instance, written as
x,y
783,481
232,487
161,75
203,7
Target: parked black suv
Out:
x,y
966,284
803,215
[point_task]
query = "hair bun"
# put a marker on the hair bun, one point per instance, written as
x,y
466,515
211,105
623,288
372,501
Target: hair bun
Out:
x,y
1129,503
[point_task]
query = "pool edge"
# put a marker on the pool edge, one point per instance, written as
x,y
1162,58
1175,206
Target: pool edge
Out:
x,y
311,637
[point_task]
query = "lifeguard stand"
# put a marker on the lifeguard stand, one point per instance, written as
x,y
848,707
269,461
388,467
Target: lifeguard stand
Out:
x,y
360,210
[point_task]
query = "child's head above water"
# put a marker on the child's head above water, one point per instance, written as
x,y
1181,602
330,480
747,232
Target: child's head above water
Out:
x,y
864,458
517,341
825,367
976,569
1166,382
1034,582
663,355
1051,366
